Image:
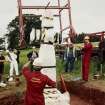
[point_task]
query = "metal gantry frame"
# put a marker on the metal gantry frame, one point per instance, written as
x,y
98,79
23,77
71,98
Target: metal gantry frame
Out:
x,y
101,34
58,7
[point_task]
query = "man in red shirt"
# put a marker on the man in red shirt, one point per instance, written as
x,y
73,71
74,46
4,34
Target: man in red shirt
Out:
x,y
87,51
36,82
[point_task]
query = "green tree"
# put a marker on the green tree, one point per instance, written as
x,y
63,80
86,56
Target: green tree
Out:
x,y
30,21
1,41
80,37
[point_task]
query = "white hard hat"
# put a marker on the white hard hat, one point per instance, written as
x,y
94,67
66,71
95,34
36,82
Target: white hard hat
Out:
x,y
37,62
33,47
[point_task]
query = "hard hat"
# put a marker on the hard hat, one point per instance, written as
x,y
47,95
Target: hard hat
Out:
x,y
37,62
33,47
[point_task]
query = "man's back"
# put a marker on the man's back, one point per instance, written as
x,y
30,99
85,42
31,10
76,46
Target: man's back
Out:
x,y
36,82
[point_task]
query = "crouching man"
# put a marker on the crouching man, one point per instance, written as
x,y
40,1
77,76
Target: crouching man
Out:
x,y
36,82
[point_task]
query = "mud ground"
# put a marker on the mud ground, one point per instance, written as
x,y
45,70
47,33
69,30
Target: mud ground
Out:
x,y
90,93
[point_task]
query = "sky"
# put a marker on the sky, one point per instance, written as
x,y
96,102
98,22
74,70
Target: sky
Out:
x,y
87,15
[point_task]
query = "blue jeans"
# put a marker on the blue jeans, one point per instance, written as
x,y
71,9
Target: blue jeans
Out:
x,y
69,64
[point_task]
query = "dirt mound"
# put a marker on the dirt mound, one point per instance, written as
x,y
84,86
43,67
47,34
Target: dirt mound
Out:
x,y
10,98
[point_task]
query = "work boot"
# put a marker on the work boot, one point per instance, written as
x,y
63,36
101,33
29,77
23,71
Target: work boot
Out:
x,y
10,79
2,84
17,81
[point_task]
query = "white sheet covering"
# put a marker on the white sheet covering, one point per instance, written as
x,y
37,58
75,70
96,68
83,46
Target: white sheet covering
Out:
x,y
47,54
55,97
52,95
47,21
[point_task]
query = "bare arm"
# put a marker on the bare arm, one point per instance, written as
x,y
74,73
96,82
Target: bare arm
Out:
x,y
25,70
26,65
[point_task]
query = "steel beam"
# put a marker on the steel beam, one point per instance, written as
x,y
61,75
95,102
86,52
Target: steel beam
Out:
x,y
43,7
63,6
69,12
60,18
47,5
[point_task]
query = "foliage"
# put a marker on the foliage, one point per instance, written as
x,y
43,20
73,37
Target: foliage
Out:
x,y
1,40
30,21
79,38
60,66
95,38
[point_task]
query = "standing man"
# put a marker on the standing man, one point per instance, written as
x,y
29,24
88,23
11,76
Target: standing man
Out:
x,y
87,51
69,57
2,60
101,59
36,82
13,64
32,55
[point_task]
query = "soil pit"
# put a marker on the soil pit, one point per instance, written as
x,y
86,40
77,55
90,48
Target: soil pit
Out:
x,y
91,92
81,94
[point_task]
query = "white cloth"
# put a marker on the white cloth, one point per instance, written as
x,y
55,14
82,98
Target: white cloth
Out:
x,y
12,57
55,97
47,21
47,55
49,35
37,62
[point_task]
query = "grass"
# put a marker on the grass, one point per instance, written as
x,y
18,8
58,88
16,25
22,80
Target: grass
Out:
x,y
76,73
60,66
70,75
23,60
60,70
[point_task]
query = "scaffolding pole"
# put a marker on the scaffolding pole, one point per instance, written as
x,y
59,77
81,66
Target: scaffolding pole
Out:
x,y
57,7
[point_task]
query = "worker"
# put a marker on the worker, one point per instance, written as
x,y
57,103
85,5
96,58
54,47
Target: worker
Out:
x,y
2,60
87,51
101,59
69,57
11,57
32,55
36,82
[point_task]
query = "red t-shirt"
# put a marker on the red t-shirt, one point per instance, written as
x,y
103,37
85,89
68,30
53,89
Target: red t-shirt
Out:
x,y
36,82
